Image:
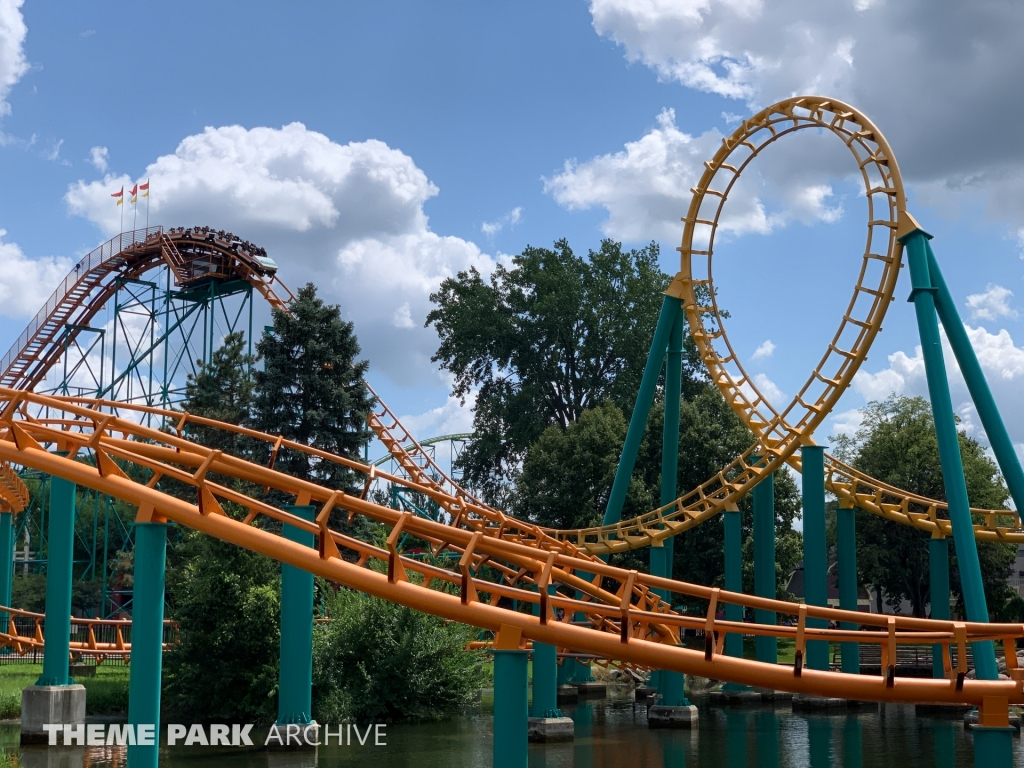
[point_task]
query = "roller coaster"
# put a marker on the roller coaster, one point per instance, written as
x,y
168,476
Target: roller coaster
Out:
x,y
579,602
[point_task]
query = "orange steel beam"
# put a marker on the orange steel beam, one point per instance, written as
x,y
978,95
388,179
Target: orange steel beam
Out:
x,y
623,629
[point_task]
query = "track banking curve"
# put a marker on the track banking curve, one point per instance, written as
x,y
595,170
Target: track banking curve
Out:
x,y
501,556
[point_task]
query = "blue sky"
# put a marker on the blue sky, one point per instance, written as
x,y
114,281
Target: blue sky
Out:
x,y
376,148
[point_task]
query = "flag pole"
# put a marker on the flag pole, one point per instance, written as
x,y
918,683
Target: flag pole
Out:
x,y
120,201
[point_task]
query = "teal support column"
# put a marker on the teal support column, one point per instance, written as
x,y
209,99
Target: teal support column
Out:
x,y
819,738
671,685
295,673
670,308
815,548
60,543
846,533
995,429
923,296
733,577
735,739
767,739
6,564
938,578
853,744
993,747
764,564
510,714
545,675
147,639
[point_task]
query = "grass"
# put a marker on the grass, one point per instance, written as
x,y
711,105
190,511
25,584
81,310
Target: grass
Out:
x,y
106,694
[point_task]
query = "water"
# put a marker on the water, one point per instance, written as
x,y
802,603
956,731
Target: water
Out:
x,y
609,733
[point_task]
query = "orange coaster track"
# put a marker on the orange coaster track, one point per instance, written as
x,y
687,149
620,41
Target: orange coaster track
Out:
x,y
500,556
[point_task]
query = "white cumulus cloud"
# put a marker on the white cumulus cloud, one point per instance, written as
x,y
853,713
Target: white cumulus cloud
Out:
x,y
510,219
765,350
347,216
25,283
992,304
959,60
645,188
99,157
12,52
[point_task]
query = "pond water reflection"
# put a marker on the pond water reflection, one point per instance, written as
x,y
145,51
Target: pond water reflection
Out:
x,y
610,733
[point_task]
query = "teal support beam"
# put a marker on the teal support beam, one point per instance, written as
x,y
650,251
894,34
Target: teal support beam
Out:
x,y
545,675
59,554
972,587
764,564
295,673
510,713
977,385
671,685
670,308
938,578
993,747
815,548
147,639
733,577
853,744
846,533
6,563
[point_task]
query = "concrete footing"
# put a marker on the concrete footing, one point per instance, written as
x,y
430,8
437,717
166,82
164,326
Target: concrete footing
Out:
x,y
953,711
567,694
82,670
660,716
769,696
802,703
42,704
643,693
551,729
592,690
971,720
734,698
52,757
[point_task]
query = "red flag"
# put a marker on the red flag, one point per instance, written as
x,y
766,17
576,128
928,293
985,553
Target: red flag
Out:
x,y
144,187
135,189
119,194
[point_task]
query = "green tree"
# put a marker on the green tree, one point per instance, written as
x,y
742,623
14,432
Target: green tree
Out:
x,y
567,475
227,604
897,444
221,390
375,661
543,341
311,389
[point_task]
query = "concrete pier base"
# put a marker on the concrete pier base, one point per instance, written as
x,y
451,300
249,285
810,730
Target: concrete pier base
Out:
x,y
52,757
551,729
769,696
82,670
294,737
728,698
971,720
802,703
568,694
643,693
953,711
660,716
592,690
42,704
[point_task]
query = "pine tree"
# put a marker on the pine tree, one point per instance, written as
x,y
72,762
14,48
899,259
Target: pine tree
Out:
x,y
311,388
221,390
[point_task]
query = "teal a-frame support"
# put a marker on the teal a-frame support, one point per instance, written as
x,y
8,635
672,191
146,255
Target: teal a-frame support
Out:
x,y
931,298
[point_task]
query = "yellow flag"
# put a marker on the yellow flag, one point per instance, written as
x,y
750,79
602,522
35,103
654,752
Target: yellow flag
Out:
x,y
120,200
135,199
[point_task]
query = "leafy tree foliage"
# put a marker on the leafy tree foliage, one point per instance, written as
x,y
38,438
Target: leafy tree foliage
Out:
x,y
376,661
544,341
567,476
227,602
897,444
